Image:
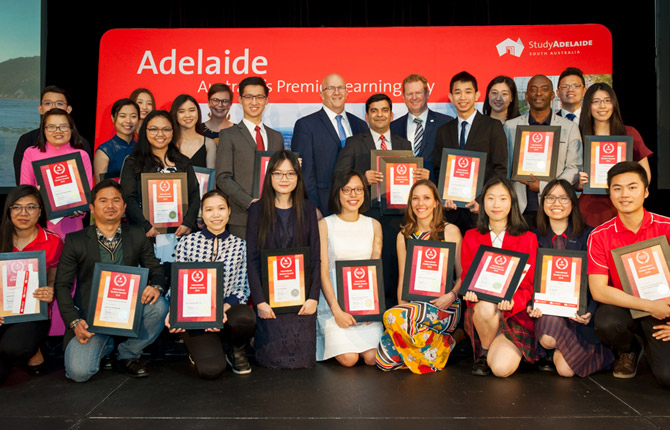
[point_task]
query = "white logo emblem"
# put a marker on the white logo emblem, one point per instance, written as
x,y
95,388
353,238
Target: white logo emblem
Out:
x,y
197,276
501,259
359,273
508,46
120,280
608,148
401,169
164,186
16,266
642,257
431,254
285,262
561,263
463,162
59,168
536,137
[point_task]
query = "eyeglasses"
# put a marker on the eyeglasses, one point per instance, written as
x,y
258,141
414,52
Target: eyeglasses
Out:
x,y
30,209
58,104
570,86
550,200
606,102
155,130
222,102
280,175
51,128
332,89
258,97
349,190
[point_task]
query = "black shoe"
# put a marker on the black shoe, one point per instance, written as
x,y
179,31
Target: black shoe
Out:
x,y
546,364
481,367
134,368
236,358
37,370
107,363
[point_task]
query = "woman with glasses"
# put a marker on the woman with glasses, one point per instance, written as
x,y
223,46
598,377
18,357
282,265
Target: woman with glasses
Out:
x,y
601,116
219,99
346,235
110,155
188,134
156,152
23,230
567,345
282,219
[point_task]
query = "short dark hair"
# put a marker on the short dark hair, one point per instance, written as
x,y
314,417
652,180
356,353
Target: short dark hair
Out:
x,y
516,224
214,193
106,183
377,98
340,180
627,167
576,220
218,88
7,228
57,90
513,108
572,71
253,80
462,77
116,107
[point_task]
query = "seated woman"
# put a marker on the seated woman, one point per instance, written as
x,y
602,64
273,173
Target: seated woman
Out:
x,y
156,152
283,218
346,235
23,230
568,345
501,100
145,100
501,334
109,156
188,135
220,99
420,335
214,243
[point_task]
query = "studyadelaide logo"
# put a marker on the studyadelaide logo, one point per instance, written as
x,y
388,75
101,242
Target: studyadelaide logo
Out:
x,y
546,47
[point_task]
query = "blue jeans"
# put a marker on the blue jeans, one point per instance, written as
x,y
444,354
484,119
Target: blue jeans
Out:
x,y
82,361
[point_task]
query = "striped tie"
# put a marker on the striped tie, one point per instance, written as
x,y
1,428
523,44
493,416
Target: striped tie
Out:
x,y
383,145
418,136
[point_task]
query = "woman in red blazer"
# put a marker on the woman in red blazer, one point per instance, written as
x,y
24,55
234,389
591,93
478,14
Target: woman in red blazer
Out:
x,y
502,334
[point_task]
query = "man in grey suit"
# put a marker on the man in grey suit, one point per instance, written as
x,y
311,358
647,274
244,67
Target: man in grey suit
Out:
x,y
539,94
237,151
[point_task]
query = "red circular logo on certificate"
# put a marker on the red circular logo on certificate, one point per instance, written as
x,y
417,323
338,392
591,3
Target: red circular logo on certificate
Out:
x,y
359,273
431,254
59,168
197,276
642,257
608,148
561,263
536,137
500,259
164,186
16,266
285,262
401,169
120,280
463,162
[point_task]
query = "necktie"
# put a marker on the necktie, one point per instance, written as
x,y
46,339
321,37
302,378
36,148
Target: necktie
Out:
x,y
418,136
558,242
461,142
384,147
259,139
571,116
340,130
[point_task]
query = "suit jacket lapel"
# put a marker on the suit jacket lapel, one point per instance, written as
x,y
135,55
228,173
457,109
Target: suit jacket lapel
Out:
x,y
244,131
92,247
475,128
323,116
369,141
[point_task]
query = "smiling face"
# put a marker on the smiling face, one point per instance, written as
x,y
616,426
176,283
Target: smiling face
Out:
x,y
53,100
379,116
571,96
601,106
627,193
215,214
423,203
416,97
500,97
540,93
25,219
159,132
352,201
556,210
334,93
126,121
497,203
284,184
145,103
187,115
108,206
61,135
219,104
253,103
464,96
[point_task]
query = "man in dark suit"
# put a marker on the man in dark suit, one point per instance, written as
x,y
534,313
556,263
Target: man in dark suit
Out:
x,y
318,138
470,131
356,155
236,153
112,242
420,124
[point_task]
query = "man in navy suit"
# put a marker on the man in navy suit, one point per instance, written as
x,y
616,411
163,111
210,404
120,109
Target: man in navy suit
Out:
x,y
319,137
420,124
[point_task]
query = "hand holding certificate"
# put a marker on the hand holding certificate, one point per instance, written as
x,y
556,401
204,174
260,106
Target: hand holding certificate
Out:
x,y
462,175
560,282
360,288
196,299
63,184
164,199
286,278
429,268
375,165
535,152
398,180
601,153
22,273
494,274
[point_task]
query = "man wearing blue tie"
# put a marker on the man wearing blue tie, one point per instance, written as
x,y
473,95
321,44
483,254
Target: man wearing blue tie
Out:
x,y
420,124
319,137
571,90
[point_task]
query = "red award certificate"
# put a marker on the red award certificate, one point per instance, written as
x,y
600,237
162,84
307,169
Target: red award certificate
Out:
x,y
428,276
164,199
63,184
398,180
560,280
196,299
117,300
286,277
360,288
601,153
260,170
20,279
535,152
461,176
376,156
494,274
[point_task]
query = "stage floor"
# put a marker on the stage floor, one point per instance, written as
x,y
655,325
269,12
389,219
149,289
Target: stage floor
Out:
x,y
332,397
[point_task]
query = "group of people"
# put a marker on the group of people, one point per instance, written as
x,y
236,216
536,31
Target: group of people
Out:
x,y
321,200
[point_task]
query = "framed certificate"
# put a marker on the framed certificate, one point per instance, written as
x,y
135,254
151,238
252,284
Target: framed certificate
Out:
x,y
375,164
643,270
360,289
286,278
164,199
560,282
535,152
196,296
206,181
260,169
63,184
115,307
601,153
461,176
429,269
21,274
494,274
398,179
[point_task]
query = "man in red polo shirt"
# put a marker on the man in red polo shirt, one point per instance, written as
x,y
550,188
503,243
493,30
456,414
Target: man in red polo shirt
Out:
x,y
628,188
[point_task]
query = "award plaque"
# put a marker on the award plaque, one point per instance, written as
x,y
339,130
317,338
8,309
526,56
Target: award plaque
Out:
x,y
63,184
196,296
260,169
494,274
206,181
22,273
398,180
360,288
375,164
643,270
560,282
164,199
429,269
601,153
286,278
535,152
461,176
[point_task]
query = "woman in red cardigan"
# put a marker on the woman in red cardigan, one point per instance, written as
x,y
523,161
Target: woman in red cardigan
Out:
x,y
502,334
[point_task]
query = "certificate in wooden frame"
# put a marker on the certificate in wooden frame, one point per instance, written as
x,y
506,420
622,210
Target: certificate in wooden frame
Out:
x,y
399,170
530,140
157,186
375,164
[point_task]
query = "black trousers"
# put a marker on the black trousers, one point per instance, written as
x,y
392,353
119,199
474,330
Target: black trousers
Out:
x,y
19,342
615,327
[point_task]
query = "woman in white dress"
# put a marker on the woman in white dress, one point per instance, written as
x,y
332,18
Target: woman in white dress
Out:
x,y
346,235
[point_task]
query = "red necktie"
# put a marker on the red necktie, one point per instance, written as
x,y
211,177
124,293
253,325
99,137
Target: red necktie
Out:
x,y
259,139
384,147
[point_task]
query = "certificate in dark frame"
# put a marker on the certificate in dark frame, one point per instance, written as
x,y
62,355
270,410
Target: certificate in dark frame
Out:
x,y
261,159
449,154
177,320
362,316
95,303
590,143
386,207
266,255
53,211
408,283
375,164
477,266
147,204
39,257
552,162
540,269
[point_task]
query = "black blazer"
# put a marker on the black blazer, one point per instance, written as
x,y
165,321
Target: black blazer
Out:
x,y
80,253
356,152
487,135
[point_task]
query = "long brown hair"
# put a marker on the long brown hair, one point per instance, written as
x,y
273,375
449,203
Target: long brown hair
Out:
x,y
436,223
586,123
516,224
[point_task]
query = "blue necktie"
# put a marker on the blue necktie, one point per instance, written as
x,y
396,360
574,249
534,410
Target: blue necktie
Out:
x,y
340,130
461,142
418,136
571,116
